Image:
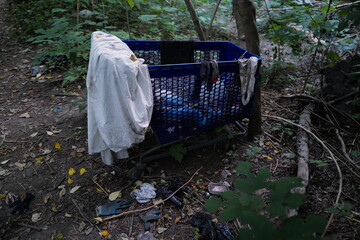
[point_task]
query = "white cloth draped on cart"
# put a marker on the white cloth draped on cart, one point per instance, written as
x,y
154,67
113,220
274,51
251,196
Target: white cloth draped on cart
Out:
x,y
247,68
120,99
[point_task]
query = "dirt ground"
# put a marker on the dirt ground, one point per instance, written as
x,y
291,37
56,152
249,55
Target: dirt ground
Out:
x,y
43,134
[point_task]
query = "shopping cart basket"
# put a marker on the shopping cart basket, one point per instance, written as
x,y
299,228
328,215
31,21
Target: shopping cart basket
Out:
x,y
185,104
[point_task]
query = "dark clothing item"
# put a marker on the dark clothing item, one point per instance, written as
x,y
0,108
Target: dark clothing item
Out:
x,y
172,52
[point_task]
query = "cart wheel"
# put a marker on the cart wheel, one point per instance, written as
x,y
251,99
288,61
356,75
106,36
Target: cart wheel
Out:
x,y
135,172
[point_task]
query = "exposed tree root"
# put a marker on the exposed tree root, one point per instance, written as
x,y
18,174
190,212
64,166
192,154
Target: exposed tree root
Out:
x,y
322,143
303,152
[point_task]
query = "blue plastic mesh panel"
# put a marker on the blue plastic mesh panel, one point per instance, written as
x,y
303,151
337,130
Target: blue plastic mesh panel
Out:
x,y
185,106
152,57
201,56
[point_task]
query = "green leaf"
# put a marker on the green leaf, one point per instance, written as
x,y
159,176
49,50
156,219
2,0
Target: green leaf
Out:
x,y
148,18
243,168
213,204
178,152
131,3
56,10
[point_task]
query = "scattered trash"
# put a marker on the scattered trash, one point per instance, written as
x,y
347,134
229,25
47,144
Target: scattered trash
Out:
x,y
225,232
57,110
151,215
217,188
35,217
208,229
146,236
145,193
4,172
112,208
165,192
21,206
35,70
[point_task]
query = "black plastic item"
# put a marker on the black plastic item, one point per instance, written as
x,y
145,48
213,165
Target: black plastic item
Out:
x,y
21,206
151,215
165,192
172,52
210,231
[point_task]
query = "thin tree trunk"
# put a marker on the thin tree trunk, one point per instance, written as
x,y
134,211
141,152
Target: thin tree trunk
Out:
x,y
247,19
195,20
240,29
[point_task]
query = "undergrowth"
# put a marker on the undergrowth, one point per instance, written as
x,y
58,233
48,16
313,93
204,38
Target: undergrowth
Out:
x,y
266,218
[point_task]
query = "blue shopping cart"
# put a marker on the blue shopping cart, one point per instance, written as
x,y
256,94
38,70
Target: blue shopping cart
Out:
x,y
184,103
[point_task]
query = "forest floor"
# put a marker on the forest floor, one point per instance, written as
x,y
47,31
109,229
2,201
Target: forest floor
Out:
x,y
43,134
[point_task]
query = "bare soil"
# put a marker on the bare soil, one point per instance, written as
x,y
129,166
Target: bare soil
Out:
x,y
43,134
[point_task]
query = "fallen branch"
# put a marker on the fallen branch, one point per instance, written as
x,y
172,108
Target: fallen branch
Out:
x,y
331,155
99,219
303,152
104,190
29,226
347,4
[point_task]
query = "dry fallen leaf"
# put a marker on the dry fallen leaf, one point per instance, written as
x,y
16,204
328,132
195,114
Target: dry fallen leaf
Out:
x,y
59,235
47,198
177,219
82,226
20,166
25,115
36,217
49,133
113,196
70,181
57,146
74,189
62,192
4,172
2,196
71,171
88,230
161,230
104,233
98,220
4,162
82,171
54,207
80,150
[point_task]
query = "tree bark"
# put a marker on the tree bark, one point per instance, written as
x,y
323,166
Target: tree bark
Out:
x,y
239,26
245,16
195,20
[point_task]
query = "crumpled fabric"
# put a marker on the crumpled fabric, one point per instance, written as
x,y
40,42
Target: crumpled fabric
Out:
x,y
120,99
247,68
145,193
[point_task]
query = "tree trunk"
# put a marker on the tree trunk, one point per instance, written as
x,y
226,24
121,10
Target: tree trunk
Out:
x,y
245,16
195,20
240,41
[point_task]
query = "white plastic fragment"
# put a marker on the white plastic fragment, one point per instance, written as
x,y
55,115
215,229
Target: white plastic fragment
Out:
x,y
145,193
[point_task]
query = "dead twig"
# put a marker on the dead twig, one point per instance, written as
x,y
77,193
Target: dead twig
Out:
x,y
331,155
83,214
101,187
29,226
343,148
147,208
